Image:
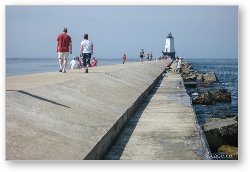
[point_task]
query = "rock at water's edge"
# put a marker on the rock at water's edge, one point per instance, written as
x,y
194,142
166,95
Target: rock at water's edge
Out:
x,y
210,78
221,95
199,78
221,131
210,97
205,99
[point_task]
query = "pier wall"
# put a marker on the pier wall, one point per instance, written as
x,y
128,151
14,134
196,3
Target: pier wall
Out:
x,y
74,116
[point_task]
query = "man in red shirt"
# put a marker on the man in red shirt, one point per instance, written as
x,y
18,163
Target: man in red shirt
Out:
x,y
64,47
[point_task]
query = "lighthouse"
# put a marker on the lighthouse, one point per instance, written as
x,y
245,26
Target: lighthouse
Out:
x,y
169,47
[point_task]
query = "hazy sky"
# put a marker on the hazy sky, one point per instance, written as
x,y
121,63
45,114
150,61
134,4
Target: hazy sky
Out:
x,y
199,31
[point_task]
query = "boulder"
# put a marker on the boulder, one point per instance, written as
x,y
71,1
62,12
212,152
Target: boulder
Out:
x,y
184,76
221,131
186,67
199,78
210,78
210,97
222,95
190,67
205,98
189,77
185,70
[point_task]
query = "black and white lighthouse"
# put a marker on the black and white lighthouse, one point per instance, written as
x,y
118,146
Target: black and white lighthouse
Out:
x,y
169,47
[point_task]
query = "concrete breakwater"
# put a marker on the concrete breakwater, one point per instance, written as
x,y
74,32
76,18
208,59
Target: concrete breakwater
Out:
x,y
164,127
74,116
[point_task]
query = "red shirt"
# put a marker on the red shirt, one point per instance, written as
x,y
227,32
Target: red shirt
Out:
x,y
64,41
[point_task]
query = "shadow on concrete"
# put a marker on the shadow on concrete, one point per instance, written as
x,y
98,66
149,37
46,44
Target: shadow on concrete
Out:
x,y
116,150
40,98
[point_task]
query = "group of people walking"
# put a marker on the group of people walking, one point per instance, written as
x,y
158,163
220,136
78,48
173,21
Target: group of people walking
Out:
x,y
64,48
142,54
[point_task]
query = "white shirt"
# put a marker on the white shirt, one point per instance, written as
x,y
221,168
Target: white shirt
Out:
x,y
179,65
74,64
87,46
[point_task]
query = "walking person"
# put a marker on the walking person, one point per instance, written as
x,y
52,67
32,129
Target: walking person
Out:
x,y
63,48
150,56
141,55
147,56
124,58
86,50
179,66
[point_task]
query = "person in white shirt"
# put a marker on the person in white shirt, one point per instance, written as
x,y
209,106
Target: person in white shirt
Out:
x,y
74,64
179,65
141,55
86,50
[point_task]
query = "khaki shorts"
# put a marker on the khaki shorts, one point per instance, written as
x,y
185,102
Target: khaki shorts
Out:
x,y
63,55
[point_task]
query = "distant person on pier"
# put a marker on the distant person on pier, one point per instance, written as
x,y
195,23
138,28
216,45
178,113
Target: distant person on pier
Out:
x,y
75,64
79,61
147,55
141,55
179,66
124,58
86,50
94,62
63,48
176,60
150,56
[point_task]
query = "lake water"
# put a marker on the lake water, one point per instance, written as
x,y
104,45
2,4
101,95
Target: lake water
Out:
x,y
227,72
22,66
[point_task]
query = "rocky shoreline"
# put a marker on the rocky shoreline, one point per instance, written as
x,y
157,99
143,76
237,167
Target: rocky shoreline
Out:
x,y
221,132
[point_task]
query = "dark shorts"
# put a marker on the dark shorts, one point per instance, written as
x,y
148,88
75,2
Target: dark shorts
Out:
x,y
141,56
86,59
179,70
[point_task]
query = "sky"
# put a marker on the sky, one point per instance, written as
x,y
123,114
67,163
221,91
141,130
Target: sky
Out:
x,y
199,31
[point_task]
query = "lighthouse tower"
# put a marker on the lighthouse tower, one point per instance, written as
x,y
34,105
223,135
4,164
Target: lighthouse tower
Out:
x,y
169,46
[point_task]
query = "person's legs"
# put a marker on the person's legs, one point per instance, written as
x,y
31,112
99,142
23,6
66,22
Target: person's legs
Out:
x,y
84,59
65,58
64,65
88,57
141,60
60,61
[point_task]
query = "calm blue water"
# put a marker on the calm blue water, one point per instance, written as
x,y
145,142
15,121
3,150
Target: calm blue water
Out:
x,y
227,73
22,66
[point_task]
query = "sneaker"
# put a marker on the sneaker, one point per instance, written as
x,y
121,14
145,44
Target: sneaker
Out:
x,y
60,70
64,71
86,70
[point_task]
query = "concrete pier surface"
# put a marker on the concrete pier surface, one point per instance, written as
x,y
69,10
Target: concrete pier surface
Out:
x,y
74,116
163,128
